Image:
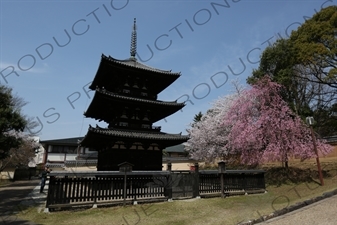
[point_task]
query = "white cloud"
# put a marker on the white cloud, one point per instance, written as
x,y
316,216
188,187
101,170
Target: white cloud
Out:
x,y
34,70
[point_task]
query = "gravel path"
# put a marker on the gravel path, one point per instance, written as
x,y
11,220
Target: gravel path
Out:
x,y
323,212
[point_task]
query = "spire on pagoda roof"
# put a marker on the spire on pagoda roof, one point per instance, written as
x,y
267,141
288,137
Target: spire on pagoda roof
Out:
x,y
133,48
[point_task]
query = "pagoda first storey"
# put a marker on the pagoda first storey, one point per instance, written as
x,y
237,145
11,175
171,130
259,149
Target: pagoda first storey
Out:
x,y
126,99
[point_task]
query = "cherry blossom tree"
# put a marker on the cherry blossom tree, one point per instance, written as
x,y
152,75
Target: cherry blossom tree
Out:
x,y
263,128
255,124
208,136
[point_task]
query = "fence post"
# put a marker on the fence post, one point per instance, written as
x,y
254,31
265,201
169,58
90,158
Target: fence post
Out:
x,y
51,187
133,194
94,187
244,183
169,166
197,181
221,171
168,187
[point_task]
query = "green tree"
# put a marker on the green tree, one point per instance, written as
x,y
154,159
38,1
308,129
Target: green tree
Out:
x,y
11,121
197,117
305,64
22,155
315,47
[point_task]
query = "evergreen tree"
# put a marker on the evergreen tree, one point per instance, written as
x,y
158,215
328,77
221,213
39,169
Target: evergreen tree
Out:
x,y
11,121
305,65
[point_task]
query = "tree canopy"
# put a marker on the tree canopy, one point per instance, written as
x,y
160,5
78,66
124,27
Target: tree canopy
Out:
x,y
315,47
16,146
208,136
264,128
11,121
305,66
22,155
255,124
197,117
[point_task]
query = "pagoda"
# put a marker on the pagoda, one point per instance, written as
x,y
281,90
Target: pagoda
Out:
x,y
126,99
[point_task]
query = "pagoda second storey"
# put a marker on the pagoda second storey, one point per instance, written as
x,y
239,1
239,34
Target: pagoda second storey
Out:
x,y
126,99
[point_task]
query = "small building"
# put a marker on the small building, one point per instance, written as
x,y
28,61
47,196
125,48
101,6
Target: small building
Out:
x,y
58,152
178,157
176,151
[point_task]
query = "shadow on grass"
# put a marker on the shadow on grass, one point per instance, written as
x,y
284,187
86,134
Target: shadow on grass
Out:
x,y
292,175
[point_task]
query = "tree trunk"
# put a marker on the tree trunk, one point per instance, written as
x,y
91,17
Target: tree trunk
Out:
x,y
286,162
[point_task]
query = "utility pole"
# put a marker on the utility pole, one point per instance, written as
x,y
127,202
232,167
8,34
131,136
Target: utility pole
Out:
x,y
310,121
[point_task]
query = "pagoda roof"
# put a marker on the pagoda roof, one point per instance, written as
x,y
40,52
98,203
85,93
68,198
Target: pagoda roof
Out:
x,y
132,62
110,67
98,107
101,136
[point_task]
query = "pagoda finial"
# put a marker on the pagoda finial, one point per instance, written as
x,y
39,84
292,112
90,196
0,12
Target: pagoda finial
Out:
x,y
133,49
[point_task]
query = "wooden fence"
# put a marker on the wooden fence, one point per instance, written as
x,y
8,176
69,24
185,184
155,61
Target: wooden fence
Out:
x,y
235,182
67,189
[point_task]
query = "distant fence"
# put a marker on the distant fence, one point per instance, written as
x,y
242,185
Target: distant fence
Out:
x,y
67,189
235,182
25,173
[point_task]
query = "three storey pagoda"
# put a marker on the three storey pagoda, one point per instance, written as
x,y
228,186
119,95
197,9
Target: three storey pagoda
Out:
x,y
126,99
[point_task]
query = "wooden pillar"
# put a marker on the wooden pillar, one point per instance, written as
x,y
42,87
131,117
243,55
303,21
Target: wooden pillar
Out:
x,y
168,187
169,166
221,171
196,184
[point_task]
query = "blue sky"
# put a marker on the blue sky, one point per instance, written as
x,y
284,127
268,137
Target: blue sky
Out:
x,y
210,42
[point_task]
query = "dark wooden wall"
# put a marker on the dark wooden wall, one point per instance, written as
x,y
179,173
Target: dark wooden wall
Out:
x,y
143,160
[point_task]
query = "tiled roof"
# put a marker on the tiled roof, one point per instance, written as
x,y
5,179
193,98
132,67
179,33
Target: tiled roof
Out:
x,y
63,141
137,134
112,71
134,63
105,106
176,148
105,92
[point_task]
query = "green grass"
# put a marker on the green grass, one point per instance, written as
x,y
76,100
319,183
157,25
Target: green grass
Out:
x,y
4,182
231,210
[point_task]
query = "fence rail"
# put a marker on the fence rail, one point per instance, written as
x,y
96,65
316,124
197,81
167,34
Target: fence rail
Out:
x,y
68,189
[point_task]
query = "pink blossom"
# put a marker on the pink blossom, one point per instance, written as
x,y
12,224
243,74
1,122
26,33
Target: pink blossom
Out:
x,y
263,127
254,123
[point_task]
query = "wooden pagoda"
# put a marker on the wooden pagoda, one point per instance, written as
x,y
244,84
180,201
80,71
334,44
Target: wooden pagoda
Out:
x,y
126,99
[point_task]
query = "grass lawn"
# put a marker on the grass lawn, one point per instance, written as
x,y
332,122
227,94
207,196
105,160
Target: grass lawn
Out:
x,y
4,182
231,210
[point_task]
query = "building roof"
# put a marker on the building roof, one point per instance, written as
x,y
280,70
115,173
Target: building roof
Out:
x,y
101,135
64,141
137,134
132,62
140,100
105,105
176,148
111,71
